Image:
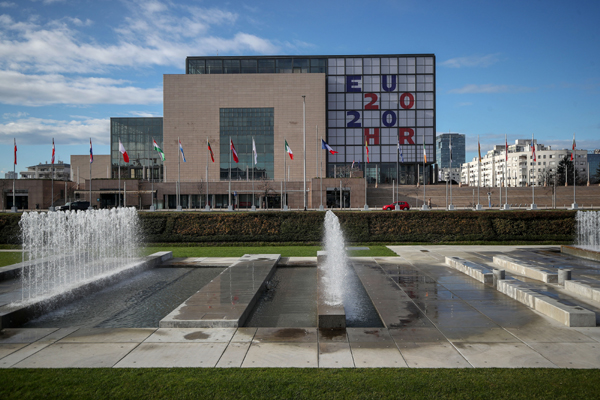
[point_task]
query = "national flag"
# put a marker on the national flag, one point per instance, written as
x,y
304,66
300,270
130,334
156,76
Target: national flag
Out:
x,y
254,152
352,164
479,148
505,149
450,150
424,152
326,146
533,151
573,152
162,155
91,152
288,149
52,150
212,156
181,150
122,150
235,156
15,140
400,150
367,147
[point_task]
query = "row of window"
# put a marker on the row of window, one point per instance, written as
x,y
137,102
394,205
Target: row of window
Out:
x,y
406,154
254,66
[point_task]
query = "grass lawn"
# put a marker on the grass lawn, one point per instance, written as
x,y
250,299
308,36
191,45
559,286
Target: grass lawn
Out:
x,y
10,257
285,251
403,383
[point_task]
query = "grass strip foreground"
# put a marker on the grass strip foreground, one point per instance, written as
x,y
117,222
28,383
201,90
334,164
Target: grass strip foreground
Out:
x,y
186,383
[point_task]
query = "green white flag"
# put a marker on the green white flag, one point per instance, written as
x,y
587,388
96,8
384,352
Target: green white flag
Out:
x,y
162,155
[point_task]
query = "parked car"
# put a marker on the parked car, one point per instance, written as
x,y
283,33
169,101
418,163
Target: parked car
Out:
x,y
74,205
391,207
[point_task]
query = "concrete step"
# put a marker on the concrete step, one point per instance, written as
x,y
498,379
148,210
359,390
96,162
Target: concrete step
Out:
x,y
476,271
526,269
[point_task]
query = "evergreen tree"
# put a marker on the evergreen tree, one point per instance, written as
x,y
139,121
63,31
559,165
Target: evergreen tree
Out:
x,y
597,175
564,163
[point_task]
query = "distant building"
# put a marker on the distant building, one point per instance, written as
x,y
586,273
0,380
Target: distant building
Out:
x,y
521,170
594,162
60,171
11,175
442,150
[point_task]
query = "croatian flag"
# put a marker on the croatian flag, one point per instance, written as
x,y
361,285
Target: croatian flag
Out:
x,y
326,146
235,156
181,149
52,150
91,152
123,151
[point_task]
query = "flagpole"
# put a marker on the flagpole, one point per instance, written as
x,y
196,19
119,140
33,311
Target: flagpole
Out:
x,y
304,136
206,206
532,176
478,206
285,174
52,200
229,207
397,207
178,176
320,167
90,207
574,206
14,206
506,206
424,180
451,206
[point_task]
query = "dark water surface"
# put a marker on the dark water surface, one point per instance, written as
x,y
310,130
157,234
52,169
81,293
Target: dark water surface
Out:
x,y
138,302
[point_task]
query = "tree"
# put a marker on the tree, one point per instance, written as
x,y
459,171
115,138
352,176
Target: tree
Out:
x,y
566,163
597,175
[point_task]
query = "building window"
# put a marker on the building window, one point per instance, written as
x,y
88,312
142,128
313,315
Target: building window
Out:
x,y
241,125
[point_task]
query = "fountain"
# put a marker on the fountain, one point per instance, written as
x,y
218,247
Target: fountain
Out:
x,y
588,236
67,255
63,249
332,267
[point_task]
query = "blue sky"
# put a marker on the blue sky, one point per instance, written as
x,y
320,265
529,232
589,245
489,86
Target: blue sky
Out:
x,y
503,67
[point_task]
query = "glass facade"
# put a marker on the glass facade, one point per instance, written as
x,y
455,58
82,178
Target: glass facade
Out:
x,y
387,100
136,134
442,150
241,125
258,65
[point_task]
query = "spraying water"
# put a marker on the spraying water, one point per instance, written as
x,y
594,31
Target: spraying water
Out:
x,y
337,263
63,249
588,230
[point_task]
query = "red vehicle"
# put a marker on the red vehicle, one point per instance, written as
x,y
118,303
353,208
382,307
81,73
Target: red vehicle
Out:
x,y
391,207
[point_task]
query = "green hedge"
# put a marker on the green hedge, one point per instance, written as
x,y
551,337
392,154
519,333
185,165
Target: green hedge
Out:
x,y
303,227
366,227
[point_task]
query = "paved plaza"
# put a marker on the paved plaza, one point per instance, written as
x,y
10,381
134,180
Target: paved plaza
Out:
x,y
434,317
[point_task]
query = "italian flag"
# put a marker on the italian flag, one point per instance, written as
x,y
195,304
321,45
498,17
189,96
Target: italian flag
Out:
x,y
289,150
162,155
123,151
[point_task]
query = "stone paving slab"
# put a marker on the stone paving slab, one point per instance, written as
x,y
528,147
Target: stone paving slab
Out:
x,y
108,335
282,355
9,348
570,355
479,335
169,355
296,335
335,355
234,355
32,348
502,355
78,355
376,355
432,355
541,333
187,335
23,335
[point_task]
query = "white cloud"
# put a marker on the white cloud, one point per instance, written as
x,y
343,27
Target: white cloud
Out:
x,y
19,114
472,61
37,90
489,88
7,4
37,130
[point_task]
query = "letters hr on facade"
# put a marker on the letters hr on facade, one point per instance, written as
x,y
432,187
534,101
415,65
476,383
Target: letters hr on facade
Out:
x,y
386,106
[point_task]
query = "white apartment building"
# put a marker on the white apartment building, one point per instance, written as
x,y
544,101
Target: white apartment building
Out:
x,y
445,174
62,171
521,170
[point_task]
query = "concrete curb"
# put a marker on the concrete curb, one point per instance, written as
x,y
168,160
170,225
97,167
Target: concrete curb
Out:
x,y
475,271
585,289
567,314
525,269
